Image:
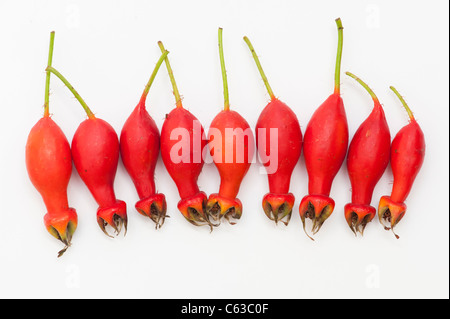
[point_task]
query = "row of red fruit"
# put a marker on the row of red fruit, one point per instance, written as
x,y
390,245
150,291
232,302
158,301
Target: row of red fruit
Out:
x,y
95,153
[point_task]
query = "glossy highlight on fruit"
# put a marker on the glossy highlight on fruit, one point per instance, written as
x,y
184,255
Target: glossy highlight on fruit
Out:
x,y
367,159
182,129
324,147
231,144
95,152
279,143
139,150
49,166
407,156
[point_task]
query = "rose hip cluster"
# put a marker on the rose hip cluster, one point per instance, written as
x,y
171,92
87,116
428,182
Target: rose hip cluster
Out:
x,y
96,149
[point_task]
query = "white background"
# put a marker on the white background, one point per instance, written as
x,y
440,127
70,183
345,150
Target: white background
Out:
x,y
107,49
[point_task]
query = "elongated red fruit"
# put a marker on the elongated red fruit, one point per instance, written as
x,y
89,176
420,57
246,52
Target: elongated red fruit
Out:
x,y
95,152
367,159
324,147
182,143
139,150
231,145
49,166
279,143
407,156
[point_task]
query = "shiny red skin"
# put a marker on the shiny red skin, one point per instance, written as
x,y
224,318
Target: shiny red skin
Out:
x,y
139,150
368,155
95,151
231,145
325,144
185,175
231,172
278,203
407,156
324,147
49,166
278,115
367,159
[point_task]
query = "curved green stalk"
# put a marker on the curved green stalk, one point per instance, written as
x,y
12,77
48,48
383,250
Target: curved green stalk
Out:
x,y
75,93
337,73
258,64
47,79
226,99
172,78
152,77
408,110
372,94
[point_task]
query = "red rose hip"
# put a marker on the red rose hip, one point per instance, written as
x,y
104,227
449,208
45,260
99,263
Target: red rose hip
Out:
x,y
95,152
139,150
49,166
324,147
407,156
367,159
279,155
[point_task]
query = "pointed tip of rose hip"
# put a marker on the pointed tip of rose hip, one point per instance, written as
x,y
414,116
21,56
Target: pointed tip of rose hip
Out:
x,y
154,207
62,251
114,216
278,207
62,226
193,208
218,207
317,208
390,213
358,216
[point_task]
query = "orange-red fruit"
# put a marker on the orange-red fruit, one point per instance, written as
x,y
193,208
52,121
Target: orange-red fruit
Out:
x,y
367,159
407,156
182,142
232,148
324,147
277,118
139,149
49,166
95,151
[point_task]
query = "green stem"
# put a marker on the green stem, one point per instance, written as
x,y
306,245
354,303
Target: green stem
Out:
x,y
172,78
47,79
152,77
408,110
337,73
372,94
75,93
224,73
261,71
